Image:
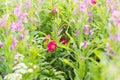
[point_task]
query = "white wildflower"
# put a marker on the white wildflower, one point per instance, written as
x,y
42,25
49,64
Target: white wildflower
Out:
x,y
13,76
20,68
30,70
19,56
30,64
35,66
22,71
20,65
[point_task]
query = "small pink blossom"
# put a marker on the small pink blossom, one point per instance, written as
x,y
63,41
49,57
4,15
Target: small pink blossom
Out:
x,y
26,32
117,21
33,19
15,61
13,27
111,37
23,15
86,30
25,20
115,14
19,25
88,2
3,20
90,15
85,44
17,10
47,37
54,10
5,17
82,7
21,36
14,43
2,58
117,36
28,45
109,2
28,4
75,11
76,32
59,31
1,44
2,23
11,47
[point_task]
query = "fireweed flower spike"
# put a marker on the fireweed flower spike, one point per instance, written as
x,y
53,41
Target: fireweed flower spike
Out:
x,y
76,32
82,7
23,15
21,37
117,36
86,30
85,44
13,27
14,43
2,23
52,45
16,26
28,4
3,20
90,15
17,10
111,37
19,25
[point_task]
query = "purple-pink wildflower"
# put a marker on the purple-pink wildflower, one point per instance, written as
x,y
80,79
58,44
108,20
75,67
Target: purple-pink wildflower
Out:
x,y
21,36
23,15
76,32
117,36
28,4
59,31
90,15
75,11
13,27
17,10
86,30
85,44
111,37
1,44
82,7
14,43
19,25
2,23
3,20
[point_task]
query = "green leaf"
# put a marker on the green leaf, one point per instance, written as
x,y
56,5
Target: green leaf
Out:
x,y
68,63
